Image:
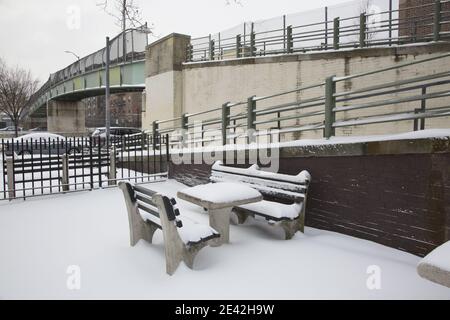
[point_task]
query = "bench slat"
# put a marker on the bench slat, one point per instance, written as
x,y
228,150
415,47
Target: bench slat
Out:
x,y
145,191
261,180
147,200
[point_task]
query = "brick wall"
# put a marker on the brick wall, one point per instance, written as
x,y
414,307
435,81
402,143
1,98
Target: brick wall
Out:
x,y
398,200
417,18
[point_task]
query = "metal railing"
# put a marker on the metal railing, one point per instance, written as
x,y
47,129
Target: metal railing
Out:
x,y
36,167
422,23
337,102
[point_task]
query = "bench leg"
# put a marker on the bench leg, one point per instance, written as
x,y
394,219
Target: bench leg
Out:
x,y
242,217
291,227
174,255
191,252
139,229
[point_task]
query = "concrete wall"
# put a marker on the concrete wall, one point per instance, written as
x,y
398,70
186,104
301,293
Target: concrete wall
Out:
x,y
66,117
208,85
164,85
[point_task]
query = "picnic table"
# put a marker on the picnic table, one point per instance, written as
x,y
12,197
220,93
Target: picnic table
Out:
x,y
220,199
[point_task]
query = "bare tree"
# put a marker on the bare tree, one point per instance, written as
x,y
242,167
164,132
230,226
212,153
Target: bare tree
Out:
x,y
125,12
16,88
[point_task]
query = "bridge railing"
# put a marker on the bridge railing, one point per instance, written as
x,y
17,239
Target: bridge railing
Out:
x,y
354,101
127,47
332,30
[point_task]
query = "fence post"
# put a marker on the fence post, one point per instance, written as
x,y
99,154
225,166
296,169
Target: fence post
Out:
x,y
238,46
252,42
155,128
65,172
362,30
11,178
190,53
330,104
326,28
112,170
211,50
336,26
184,128
225,121
290,40
251,117
437,20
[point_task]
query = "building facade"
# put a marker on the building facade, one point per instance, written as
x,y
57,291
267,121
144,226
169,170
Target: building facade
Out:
x,y
126,110
416,19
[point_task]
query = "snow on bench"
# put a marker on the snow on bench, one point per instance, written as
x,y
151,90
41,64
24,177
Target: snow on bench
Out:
x,y
149,211
285,195
436,265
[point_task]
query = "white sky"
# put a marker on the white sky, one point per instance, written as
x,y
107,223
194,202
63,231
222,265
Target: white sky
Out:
x,y
35,34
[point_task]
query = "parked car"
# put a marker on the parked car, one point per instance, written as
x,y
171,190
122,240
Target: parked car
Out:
x,y
40,143
116,132
12,129
38,129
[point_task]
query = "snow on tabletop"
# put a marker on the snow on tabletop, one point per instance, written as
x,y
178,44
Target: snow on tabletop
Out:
x,y
439,257
41,238
222,192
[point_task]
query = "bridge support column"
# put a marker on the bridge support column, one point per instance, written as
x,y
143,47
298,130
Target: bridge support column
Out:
x,y
66,117
164,81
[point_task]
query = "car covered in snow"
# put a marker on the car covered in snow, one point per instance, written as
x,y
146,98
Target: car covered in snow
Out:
x,y
40,143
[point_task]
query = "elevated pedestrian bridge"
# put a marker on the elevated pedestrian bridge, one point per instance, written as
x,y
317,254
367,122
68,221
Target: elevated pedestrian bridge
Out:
x,y
86,77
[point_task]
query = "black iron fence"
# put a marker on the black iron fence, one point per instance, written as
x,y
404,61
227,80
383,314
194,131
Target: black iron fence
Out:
x,y
372,27
35,167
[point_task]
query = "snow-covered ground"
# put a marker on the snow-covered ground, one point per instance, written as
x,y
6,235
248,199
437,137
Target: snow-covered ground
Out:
x,y
42,237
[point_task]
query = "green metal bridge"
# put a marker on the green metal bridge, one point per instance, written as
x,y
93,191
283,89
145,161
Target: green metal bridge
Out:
x,y
86,77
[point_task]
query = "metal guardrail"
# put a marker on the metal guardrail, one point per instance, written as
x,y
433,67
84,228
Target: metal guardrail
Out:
x,y
391,27
323,107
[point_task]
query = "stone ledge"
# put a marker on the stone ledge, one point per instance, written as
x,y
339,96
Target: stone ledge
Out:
x,y
426,48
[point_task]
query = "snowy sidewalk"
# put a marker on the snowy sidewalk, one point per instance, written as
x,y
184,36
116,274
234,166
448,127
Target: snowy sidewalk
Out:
x,y
40,238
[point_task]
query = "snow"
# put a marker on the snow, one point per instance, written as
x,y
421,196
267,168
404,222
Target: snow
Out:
x,y
190,232
194,232
275,209
223,192
41,237
422,134
439,257
37,136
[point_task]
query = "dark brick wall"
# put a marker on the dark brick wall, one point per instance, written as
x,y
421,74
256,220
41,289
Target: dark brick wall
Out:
x,y
416,18
401,201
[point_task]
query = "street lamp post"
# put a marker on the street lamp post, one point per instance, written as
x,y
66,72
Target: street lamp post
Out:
x,y
107,90
78,58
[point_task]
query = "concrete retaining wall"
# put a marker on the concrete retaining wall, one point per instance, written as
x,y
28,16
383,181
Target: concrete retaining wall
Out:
x,y
208,85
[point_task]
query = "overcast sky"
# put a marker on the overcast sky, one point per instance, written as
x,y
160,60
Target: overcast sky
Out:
x,y
35,34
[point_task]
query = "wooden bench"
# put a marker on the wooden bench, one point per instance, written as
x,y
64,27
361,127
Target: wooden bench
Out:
x,y
285,196
149,211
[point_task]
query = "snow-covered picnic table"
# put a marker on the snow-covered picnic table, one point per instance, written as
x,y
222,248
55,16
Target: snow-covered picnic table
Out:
x,y
219,199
